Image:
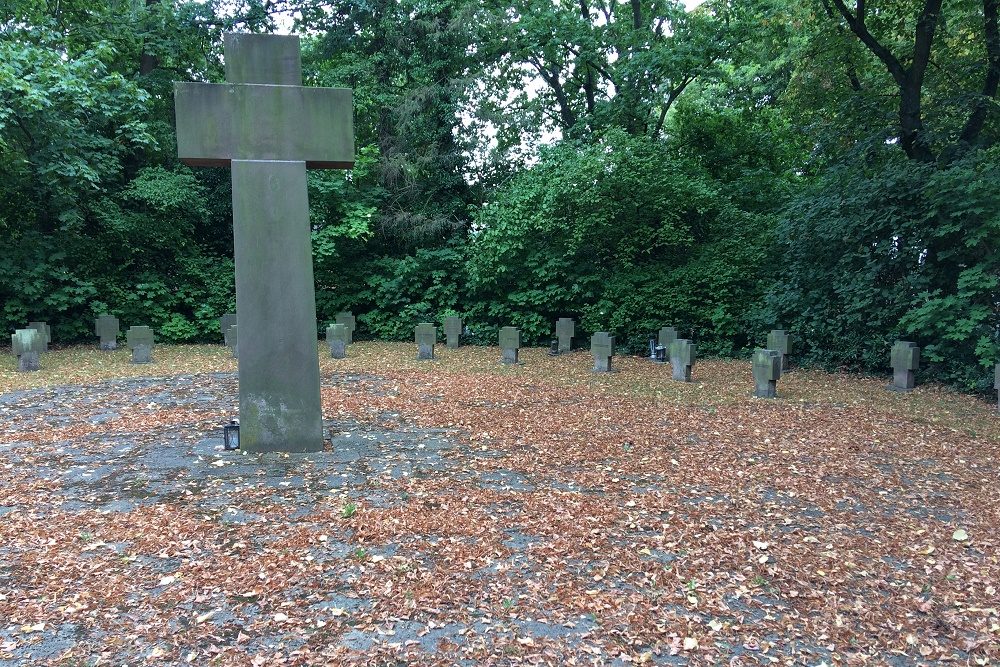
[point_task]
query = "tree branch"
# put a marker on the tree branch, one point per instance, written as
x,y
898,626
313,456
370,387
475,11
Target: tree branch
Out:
x,y
977,119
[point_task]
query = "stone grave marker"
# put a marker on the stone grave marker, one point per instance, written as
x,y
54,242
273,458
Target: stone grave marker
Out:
x,y
140,341
667,336
996,383
225,322
682,356
565,330
452,331
510,344
269,129
780,341
26,344
233,332
107,328
766,372
425,335
905,358
602,346
349,321
44,332
337,337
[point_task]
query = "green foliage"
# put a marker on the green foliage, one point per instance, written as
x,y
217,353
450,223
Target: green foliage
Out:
x,y
902,251
623,233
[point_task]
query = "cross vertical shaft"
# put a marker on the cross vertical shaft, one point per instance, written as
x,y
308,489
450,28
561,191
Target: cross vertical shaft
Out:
x,y
269,129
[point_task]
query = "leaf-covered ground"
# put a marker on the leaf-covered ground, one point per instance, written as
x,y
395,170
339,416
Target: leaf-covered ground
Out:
x,y
470,513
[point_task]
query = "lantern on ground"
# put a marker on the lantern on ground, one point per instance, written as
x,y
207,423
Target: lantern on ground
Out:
x,y
231,435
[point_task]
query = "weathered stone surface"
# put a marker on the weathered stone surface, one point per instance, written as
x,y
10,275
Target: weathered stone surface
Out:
x,y
350,324
425,336
996,382
26,345
781,342
269,134
337,336
766,372
225,322
45,333
682,357
565,330
510,344
905,359
140,341
452,331
106,327
667,336
233,334
602,347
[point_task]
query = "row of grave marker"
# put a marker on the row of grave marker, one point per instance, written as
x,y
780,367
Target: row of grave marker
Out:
x,y
768,363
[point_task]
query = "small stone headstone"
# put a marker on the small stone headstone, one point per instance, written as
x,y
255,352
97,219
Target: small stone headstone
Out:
x,y
781,342
565,330
452,331
348,320
905,358
106,327
140,341
226,321
766,373
996,383
232,336
667,336
602,346
425,336
682,356
26,345
510,344
336,338
45,334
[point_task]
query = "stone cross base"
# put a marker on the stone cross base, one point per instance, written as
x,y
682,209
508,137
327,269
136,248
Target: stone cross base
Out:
x,y
142,354
338,349
680,372
452,341
768,389
425,352
602,364
509,356
565,344
902,380
108,345
28,362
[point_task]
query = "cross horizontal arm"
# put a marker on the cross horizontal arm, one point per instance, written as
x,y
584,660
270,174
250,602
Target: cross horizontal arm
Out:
x,y
220,122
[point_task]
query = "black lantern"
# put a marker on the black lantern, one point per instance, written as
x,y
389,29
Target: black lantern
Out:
x,y
661,354
231,435
554,347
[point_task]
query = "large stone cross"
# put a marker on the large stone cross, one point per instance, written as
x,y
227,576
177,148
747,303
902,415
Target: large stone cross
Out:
x,y
269,129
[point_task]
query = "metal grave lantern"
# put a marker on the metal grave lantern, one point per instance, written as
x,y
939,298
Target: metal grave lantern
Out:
x,y
337,336
602,347
766,373
26,344
652,347
661,354
107,328
510,344
554,347
682,356
905,358
425,336
231,435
